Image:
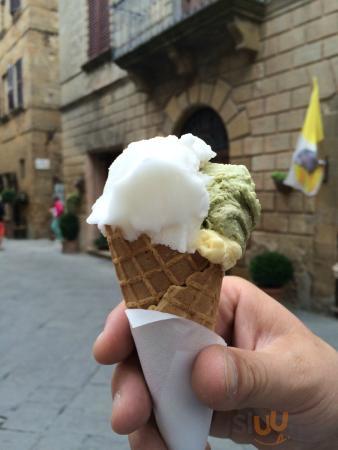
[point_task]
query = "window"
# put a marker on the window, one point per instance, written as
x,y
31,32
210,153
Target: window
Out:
x,y
98,27
19,83
207,125
3,101
14,6
12,89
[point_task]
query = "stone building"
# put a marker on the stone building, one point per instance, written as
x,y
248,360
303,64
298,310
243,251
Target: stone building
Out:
x,y
236,73
30,155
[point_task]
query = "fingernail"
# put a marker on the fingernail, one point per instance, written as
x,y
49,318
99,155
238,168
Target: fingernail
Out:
x,y
116,398
231,374
106,323
100,335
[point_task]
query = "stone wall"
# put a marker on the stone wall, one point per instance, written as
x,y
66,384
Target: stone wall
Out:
x,y
262,103
76,82
297,45
32,34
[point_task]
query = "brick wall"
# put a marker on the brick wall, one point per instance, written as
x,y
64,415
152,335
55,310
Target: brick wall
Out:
x,y
297,45
77,83
261,102
109,120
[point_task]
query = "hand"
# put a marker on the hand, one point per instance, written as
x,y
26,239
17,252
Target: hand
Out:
x,y
273,363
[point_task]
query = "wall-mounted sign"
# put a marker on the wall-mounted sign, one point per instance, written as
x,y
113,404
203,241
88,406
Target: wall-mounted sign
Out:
x,y
42,164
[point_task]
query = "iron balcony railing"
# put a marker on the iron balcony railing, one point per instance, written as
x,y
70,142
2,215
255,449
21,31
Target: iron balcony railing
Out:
x,y
137,21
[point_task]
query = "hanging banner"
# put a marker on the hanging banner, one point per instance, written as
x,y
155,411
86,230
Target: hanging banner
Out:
x,y
306,173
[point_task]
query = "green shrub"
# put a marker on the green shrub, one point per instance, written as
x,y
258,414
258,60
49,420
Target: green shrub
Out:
x,y
271,270
73,202
278,176
101,243
8,195
70,226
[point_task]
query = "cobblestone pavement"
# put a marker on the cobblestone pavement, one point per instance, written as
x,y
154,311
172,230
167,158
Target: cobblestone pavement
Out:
x,y
53,396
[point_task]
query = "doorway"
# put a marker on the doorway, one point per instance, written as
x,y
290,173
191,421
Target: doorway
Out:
x,y
97,166
206,124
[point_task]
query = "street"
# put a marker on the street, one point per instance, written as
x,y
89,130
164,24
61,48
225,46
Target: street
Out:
x,y
53,395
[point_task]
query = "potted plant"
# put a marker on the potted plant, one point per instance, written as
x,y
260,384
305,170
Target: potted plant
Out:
x,y
271,271
73,203
70,228
8,196
278,178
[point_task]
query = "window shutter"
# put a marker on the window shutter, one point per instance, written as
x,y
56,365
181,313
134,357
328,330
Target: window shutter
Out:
x,y
19,83
98,27
93,18
4,101
10,88
104,34
14,6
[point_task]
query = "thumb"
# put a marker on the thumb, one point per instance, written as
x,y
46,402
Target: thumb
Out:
x,y
227,378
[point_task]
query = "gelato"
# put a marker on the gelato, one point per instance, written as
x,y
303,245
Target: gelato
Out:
x,y
218,249
234,208
167,189
155,187
233,212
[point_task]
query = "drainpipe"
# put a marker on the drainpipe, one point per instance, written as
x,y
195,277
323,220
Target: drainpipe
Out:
x,y
335,274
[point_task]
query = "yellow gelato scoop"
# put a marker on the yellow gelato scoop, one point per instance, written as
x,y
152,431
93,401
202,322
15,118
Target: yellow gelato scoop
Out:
x,y
218,249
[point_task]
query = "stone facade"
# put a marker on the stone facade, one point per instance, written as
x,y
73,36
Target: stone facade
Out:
x,y
261,97
32,131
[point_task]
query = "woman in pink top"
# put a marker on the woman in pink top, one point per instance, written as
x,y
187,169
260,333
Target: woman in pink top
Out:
x,y
58,205
57,211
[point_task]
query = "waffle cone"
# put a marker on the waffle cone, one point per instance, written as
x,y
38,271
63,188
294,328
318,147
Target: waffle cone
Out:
x,y
153,276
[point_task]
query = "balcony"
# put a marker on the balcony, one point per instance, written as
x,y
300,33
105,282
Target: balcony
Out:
x,y
171,34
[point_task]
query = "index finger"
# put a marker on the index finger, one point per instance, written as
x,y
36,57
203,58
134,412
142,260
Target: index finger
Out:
x,y
115,343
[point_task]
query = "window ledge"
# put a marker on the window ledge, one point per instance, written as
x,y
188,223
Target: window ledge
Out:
x,y
98,60
15,112
16,14
4,118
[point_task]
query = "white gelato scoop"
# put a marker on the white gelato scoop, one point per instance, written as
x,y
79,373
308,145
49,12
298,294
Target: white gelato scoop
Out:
x,y
155,187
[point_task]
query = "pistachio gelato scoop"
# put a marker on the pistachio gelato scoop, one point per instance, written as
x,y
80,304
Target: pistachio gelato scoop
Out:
x,y
233,212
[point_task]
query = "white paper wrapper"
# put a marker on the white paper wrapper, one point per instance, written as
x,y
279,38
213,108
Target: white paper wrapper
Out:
x,y
167,346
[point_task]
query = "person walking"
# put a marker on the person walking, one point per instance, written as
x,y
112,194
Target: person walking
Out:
x,y
56,211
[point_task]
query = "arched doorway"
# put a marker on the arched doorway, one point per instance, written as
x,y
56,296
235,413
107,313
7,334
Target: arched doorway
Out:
x,y
207,125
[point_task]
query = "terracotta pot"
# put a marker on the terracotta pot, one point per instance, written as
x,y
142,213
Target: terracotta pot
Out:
x,y
20,232
70,247
283,188
276,293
